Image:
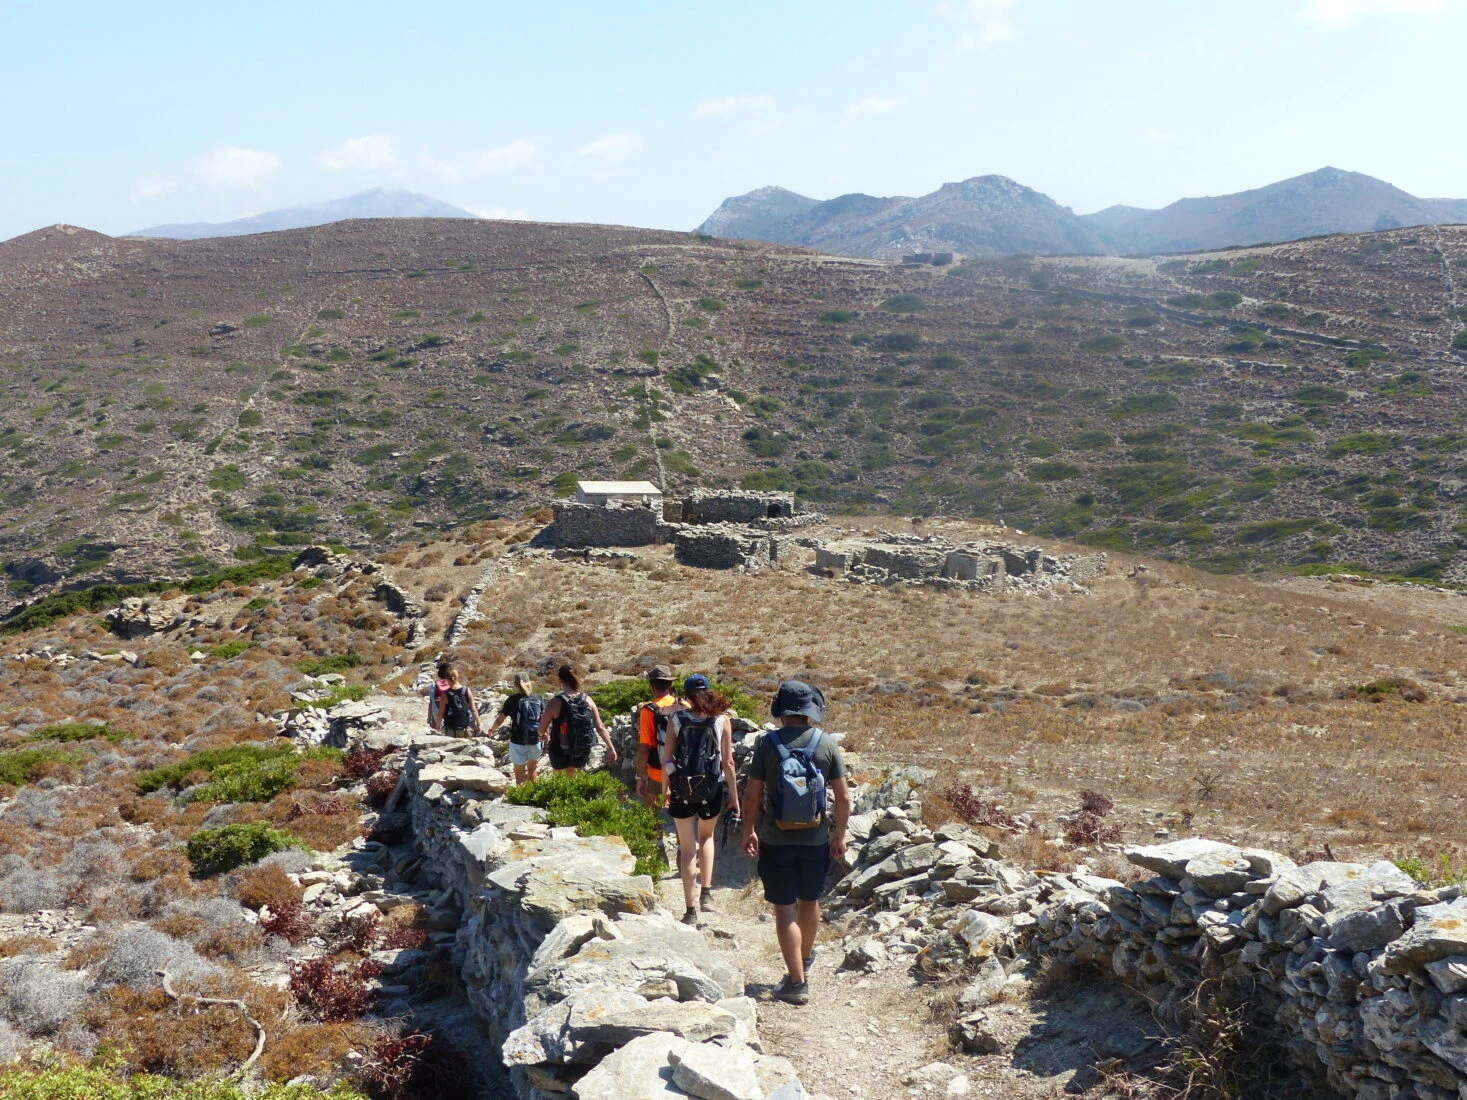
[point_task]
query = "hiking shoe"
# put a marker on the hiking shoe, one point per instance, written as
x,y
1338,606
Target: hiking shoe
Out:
x,y
705,899
809,961
690,916
795,993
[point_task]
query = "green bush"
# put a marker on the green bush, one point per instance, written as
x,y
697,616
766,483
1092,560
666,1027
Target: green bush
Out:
x,y
228,651
24,765
251,418
80,731
1144,404
597,804
1361,443
898,341
213,851
1055,471
710,305
319,666
257,780
106,1079
1110,341
836,317
208,760
1273,530
1319,395
1446,871
904,303
1091,440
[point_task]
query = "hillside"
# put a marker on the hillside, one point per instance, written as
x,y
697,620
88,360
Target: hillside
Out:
x,y
994,216
379,202
170,406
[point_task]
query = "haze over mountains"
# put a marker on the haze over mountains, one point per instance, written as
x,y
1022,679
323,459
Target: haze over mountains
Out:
x,y
993,216
379,202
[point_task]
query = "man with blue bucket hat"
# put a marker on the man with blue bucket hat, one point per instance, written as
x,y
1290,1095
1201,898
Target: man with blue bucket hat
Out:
x,y
796,806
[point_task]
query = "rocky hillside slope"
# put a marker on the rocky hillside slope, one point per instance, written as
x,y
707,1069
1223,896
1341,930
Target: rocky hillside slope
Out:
x,y
169,406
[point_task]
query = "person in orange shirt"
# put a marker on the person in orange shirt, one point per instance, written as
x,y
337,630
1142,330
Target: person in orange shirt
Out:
x,y
652,736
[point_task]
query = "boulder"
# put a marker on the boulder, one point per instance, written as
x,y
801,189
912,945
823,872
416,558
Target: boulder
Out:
x,y
1172,859
986,987
1440,932
641,1070
1219,873
717,1073
588,1021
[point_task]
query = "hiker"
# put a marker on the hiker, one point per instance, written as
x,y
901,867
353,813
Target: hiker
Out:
x,y
700,786
570,725
451,707
651,719
524,709
796,773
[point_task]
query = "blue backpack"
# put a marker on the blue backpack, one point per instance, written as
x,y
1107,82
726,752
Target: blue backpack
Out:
x,y
798,798
525,724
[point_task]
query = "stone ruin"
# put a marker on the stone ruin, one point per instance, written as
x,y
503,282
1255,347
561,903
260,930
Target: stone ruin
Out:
x,y
726,529
931,560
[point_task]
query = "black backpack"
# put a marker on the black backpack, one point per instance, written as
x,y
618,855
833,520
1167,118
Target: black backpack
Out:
x,y
524,726
697,777
576,727
456,709
660,720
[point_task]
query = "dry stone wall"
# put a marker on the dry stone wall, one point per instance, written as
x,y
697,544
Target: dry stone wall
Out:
x,y
1362,971
588,987
601,525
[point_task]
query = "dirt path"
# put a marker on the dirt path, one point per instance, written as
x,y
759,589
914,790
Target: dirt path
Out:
x,y
871,1035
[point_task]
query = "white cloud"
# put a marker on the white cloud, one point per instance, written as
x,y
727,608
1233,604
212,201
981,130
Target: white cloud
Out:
x,y
505,158
1336,13
613,148
227,166
735,104
371,151
152,185
874,105
500,214
984,23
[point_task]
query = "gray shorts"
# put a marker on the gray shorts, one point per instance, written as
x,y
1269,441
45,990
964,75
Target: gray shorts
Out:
x,y
520,755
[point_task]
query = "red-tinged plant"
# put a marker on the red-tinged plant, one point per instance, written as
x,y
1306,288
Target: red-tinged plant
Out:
x,y
290,920
333,994
361,763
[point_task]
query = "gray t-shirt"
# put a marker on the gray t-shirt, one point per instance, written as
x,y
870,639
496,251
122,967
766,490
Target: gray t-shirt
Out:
x,y
765,766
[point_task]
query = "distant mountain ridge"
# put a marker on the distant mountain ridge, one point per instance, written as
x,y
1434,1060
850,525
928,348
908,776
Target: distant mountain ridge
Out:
x,y
993,215
379,202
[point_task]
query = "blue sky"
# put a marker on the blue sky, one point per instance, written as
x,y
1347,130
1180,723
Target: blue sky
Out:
x,y
650,113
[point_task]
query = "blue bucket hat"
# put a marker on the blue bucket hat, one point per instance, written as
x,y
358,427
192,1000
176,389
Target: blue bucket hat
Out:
x,y
697,682
797,697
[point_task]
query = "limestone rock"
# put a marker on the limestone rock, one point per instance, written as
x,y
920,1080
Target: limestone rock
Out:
x,y
1450,974
986,987
983,934
1219,873
591,1019
1298,883
464,777
641,1070
1172,859
1440,931
717,1073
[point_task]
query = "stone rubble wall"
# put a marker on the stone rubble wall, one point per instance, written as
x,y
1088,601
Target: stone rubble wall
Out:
x,y
599,525
1362,970
736,506
723,546
931,560
589,988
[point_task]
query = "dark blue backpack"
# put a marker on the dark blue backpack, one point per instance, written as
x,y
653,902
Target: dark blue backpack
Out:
x,y
525,724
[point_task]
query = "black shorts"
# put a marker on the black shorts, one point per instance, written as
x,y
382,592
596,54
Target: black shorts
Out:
x,y
705,811
792,872
561,759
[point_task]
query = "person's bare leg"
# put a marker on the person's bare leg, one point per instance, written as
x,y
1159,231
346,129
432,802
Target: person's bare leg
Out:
x,y
519,774
809,923
687,853
787,928
705,852
530,771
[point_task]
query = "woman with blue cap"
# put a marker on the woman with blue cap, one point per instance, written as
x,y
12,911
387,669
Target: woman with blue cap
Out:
x,y
699,770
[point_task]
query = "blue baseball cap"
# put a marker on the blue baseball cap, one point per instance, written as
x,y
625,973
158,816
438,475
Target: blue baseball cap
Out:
x,y
697,682
797,697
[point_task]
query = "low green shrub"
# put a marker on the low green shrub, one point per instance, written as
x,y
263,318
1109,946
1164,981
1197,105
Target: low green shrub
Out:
x,y
24,765
1110,341
598,804
836,317
106,1079
228,651
904,303
80,731
213,851
208,760
1444,871
250,780
319,666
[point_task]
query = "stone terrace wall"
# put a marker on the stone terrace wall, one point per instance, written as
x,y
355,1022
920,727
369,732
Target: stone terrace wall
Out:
x,y
589,989
597,525
723,546
1363,970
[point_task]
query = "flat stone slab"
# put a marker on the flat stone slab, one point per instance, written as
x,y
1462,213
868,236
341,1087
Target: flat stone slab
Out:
x,y
1172,859
641,1070
1440,932
585,1023
460,777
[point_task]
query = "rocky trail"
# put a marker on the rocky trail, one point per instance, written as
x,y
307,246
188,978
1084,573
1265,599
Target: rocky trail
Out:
x,y
886,1033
